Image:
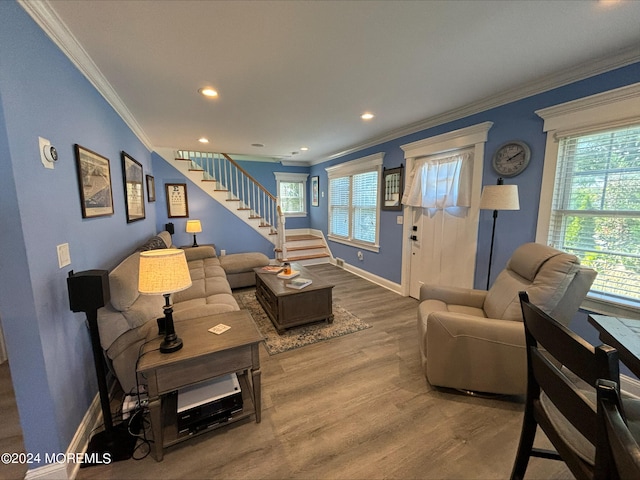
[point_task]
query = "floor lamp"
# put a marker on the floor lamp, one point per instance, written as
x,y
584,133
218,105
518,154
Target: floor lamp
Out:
x,y
498,197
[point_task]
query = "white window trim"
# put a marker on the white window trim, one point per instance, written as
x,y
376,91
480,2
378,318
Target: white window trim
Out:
x,y
603,111
293,177
353,167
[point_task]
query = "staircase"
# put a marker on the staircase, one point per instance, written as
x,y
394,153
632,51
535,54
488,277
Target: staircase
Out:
x,y
229,184
304,247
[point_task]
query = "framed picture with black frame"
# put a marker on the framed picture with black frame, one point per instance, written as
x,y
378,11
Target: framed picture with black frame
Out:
x,y
133,188
392,188
94,182
151,188
177,203
315,191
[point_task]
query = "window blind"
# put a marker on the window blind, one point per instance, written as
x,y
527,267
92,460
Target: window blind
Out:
x,y
364,203
596,208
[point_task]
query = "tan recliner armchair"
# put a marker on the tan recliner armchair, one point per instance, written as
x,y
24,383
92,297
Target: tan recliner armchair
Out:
x,y
474,339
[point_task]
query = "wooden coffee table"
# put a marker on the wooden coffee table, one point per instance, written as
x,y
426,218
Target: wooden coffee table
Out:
x,y
288,307
204,356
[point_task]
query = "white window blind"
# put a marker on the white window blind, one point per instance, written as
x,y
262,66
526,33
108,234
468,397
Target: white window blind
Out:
x,y
596,208
353,202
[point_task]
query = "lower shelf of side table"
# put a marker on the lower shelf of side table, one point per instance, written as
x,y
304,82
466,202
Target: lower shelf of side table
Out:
x,y
170,415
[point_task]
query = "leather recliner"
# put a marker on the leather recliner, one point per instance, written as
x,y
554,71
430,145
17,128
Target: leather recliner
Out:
x,y
474,339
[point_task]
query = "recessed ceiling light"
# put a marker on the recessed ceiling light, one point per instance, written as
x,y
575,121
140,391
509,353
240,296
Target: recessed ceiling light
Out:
x,y
304,149
208,92
367,116
203,140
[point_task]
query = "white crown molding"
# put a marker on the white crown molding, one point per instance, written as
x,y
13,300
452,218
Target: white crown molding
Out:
x,y
46,17
581,71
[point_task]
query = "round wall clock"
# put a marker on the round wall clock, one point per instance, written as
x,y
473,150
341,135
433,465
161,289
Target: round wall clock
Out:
x,y
511,158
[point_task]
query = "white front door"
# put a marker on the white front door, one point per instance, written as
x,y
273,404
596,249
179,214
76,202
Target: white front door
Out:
x,y
443,249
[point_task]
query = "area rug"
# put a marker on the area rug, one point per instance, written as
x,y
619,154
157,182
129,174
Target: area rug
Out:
x,y
344,323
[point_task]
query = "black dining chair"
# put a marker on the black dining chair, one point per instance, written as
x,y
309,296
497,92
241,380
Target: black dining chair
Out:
x,y
623,451
564,407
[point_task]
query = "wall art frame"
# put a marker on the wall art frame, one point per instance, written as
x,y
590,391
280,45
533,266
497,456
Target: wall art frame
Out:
x,y
392,188
315,191
177,202
133,188
151,188
94,183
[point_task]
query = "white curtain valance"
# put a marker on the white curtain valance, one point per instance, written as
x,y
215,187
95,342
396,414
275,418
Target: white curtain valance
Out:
x,y
441,183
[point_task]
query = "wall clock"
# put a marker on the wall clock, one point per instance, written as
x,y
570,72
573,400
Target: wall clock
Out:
x,y
511,158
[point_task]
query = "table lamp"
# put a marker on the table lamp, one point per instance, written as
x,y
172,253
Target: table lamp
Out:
x,y
163,272
498,197
194,226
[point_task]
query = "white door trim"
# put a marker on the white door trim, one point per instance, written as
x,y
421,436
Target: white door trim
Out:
x,y
474,136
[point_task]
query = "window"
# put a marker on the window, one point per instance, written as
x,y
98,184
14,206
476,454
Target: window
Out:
x,y
353,202
596,207
590,197
292,198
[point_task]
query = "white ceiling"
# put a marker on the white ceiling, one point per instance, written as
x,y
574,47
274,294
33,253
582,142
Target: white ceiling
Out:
x,y
300,73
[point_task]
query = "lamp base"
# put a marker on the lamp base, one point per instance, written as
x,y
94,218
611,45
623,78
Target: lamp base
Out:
x,y
170,345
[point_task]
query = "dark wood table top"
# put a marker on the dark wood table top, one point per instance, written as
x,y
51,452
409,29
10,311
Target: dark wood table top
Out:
x,y
199,341
623,334
278,285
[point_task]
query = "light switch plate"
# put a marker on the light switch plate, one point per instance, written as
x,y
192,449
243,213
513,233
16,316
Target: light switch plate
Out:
x,y
64,257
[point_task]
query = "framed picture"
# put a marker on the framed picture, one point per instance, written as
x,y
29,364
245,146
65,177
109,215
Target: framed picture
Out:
x,y
94,181
177,205
151,188
315,191
392,188
133,188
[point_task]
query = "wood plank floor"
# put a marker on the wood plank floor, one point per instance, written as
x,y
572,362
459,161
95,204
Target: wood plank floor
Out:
x,y
354,407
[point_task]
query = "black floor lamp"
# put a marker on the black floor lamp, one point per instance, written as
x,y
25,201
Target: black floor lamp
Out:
x,y
88,291
498,197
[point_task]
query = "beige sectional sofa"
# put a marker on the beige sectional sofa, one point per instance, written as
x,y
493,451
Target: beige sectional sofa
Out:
x,y
129,318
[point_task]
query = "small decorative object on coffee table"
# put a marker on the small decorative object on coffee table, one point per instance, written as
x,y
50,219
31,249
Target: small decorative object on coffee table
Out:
x,y
290,307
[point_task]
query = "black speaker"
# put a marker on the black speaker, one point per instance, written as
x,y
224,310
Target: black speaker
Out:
x,y
169,228
88,290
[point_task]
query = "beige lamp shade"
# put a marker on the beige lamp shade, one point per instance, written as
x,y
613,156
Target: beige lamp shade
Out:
x,y
194,226
163,271
500,197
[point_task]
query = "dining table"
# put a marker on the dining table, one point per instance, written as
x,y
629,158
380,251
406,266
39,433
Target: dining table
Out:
x,y
623,334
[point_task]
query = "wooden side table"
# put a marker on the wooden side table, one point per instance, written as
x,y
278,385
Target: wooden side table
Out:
x,y
204,356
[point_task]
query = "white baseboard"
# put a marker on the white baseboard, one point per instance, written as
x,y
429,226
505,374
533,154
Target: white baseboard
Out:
x,y
383,282
67,470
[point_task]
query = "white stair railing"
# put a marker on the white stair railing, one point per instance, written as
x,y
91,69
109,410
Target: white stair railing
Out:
x,y
240,186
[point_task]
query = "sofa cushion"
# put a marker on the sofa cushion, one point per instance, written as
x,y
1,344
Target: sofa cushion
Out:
x,y
154,243
243,262
123,282
200,252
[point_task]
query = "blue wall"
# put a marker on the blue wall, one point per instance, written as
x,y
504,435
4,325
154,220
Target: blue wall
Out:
x,y
42,94
516,120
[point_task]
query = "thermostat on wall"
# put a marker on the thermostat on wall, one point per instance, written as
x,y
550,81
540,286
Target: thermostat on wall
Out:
x,y
48,153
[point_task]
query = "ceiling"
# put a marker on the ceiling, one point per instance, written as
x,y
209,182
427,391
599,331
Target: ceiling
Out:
x,y
294,74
